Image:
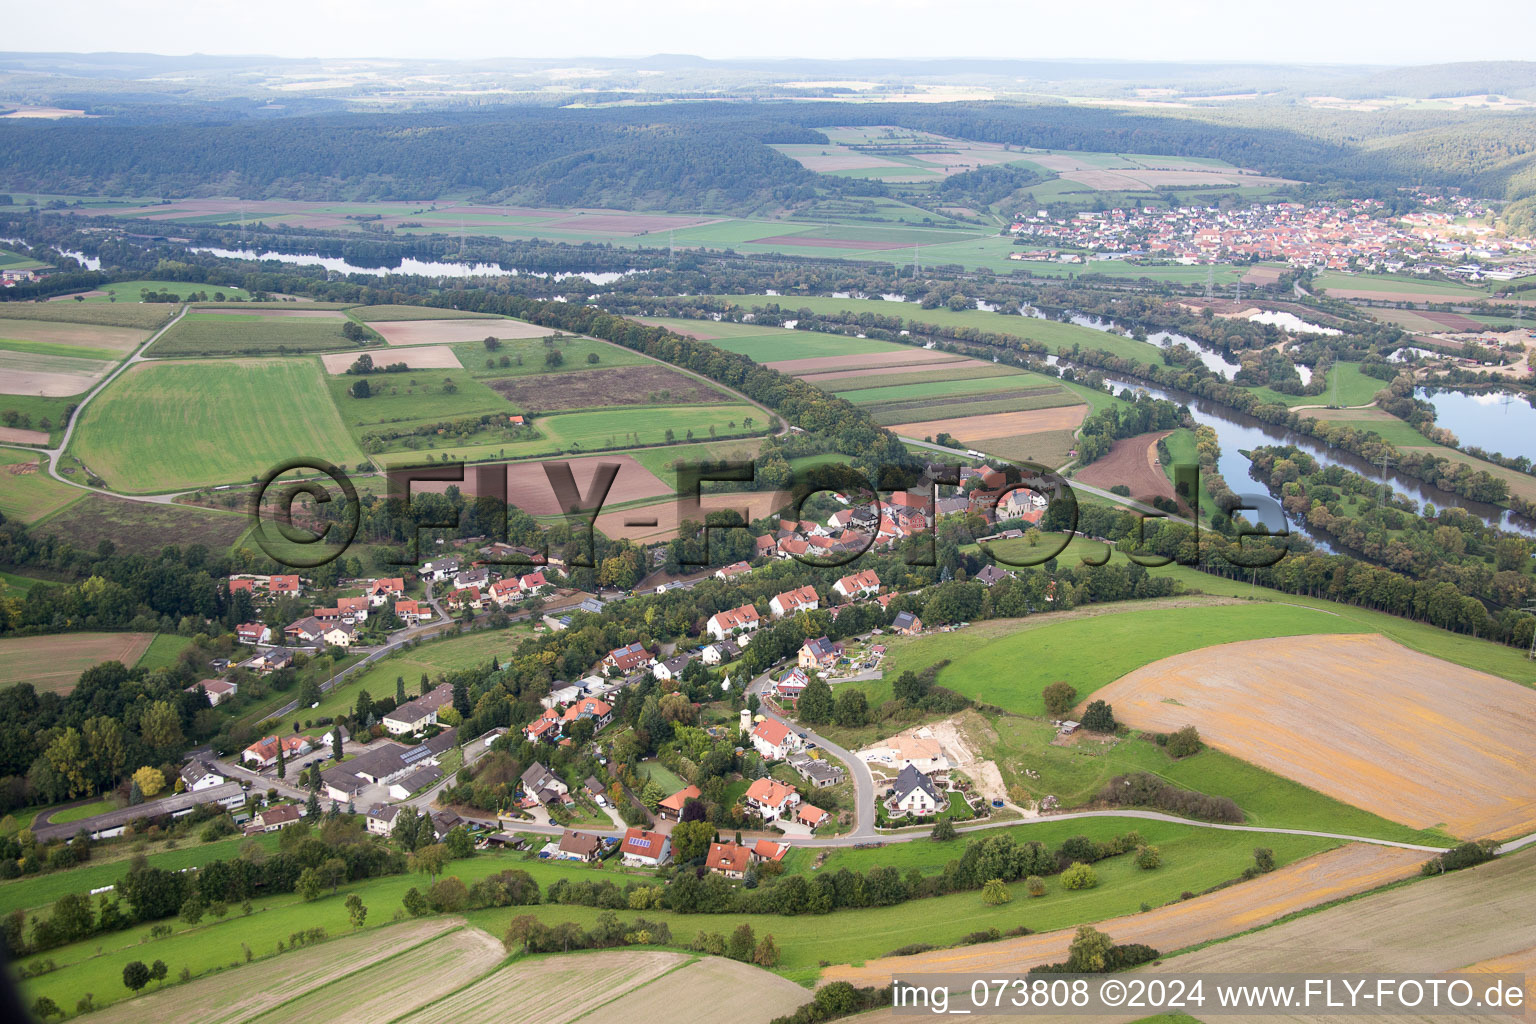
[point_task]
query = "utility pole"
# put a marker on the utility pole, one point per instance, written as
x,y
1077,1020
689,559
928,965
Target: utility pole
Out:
x,y
1210,279
1385,461
1530,606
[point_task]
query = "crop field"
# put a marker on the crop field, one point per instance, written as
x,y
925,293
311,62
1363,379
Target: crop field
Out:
x,y
27,492
777,346
252,990
163,651
1354,388
225,333
1021,384
608,429
49,376
60,337
1064,414
1042,447
52,664
1130,463
371,314
663,462
130,292
526,356
661,520
647,384
1307,883
899,356
895,376
1407,736
138,316
142,528
434,357
528,484
16,261
170,426
442,332
1394,287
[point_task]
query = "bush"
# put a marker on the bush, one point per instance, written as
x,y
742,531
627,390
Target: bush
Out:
x,y
1184,742
1144,790
1099,717
1034,885
995,893
1148,858
1059,698
1457,857
1264,859
1079,876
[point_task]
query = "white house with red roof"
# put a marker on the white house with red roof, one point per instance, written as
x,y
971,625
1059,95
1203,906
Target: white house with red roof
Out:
x,y
728,859
532,582
263,753
381,592
628,658
723,624
288,584
253,633
218,690
775,740
505,592
411,612
642,849
770,799
801,599
860,584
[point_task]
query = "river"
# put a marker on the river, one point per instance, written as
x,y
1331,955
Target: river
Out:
x,y
410,266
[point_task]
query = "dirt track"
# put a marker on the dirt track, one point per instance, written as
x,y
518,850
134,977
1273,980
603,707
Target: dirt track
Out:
x,y
1409,737
1328,876
1130,462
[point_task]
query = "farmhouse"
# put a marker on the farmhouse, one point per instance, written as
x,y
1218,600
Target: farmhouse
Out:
x,y
774,740
771,799
728,859
791,601
723,624
671,809
768,850
642,849
218,690
991,574
907,624
274,818
857,585
731,571
913,793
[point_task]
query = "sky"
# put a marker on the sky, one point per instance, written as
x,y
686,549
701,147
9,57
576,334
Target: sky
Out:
x,y
1306,31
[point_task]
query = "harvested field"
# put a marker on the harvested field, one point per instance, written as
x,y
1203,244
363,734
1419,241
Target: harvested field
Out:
x,y
661,520
27,492
49,375
1067,417
957,369
1131,462
53,663
1049,448
940,407
528,486
1409,737
389,988
17,435
430,358
142,317
648,986
645,384
445,332
896,357
1394,295
280,313
248,992
222,332
121,340
1262,275
1453,322
1328,876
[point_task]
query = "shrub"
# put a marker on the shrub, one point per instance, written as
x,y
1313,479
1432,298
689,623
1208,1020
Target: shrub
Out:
x,y
1059,698
1264,859
1034,885
1141,789
995,893
1457,857
1184,742
1148,858
1079,876
1099,717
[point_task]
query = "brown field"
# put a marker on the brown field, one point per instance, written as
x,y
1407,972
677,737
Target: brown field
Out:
x,y
445,332
1129,462
1049,448
1306,883
140,527
886,371
47,383
1407,319
1398,296
1454,322
824,243
618,385
18,436
999,424
642,986
1262,275
247,992
1401,734
432,358
118,339
1135,180
660,521
1366,418
905,357
696,333
1434,926
52,664
528,487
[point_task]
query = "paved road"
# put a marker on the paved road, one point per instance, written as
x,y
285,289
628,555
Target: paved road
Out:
x,y
863,781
